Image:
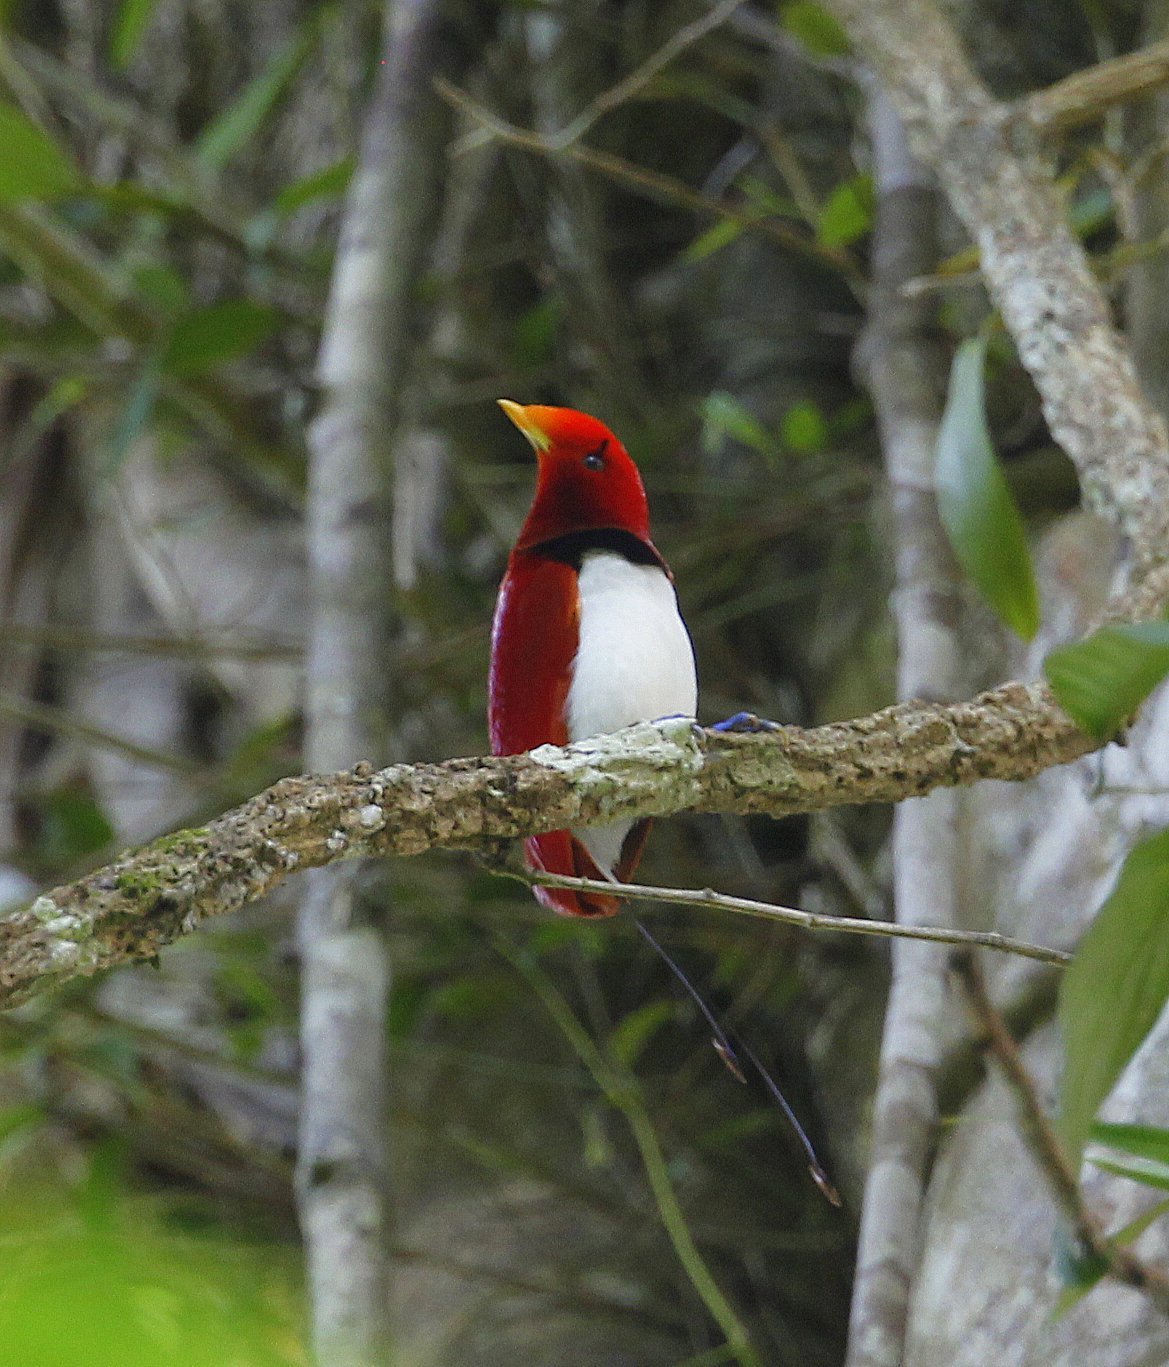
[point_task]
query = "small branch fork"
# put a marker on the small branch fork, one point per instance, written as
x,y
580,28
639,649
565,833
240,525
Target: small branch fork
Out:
x,y
1118,1261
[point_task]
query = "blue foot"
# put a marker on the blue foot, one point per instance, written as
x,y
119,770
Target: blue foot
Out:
x,y
746,721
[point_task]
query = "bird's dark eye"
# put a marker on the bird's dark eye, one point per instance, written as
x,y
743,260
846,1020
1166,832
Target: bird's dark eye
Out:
x,y
595,460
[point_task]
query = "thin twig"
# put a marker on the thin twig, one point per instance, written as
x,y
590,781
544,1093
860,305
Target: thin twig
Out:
x,y
637,80
1118,1261
1085,95
229,644
653,185
803,920
59,721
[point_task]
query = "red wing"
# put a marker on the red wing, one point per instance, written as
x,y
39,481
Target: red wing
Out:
x,y
533,645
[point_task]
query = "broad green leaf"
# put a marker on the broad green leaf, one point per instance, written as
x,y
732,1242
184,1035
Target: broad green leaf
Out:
x,y
848,214
1102,680
32,166
1115,988
133,18
630,1037
814,27
975,504
238,124
1144,1141
152,1283
220,332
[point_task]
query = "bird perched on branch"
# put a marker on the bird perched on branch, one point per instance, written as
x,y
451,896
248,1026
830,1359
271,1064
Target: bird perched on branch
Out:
x,y
587,635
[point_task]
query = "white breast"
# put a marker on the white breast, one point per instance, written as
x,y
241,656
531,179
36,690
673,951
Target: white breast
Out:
x,y
634,662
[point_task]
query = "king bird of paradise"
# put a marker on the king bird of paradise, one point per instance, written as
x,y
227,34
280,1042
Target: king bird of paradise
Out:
x,y
588,638
587,635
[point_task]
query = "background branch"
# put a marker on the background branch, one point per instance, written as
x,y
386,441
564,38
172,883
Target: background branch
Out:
x,y
906,381
1086,95
386,233
1046,1147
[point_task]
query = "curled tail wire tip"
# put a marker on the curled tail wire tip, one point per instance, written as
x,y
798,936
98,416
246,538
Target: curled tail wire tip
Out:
x,y
829,1192
725,1050
727,1055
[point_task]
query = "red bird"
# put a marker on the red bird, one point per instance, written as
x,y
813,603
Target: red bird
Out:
x,y
587,636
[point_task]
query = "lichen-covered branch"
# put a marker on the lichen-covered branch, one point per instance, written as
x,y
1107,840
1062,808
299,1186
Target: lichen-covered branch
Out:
x,y
987,158
130,909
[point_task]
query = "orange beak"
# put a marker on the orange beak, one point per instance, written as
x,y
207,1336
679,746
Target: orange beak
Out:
x,y
522,417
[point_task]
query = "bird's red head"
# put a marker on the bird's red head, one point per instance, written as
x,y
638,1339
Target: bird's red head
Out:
x,y
586,480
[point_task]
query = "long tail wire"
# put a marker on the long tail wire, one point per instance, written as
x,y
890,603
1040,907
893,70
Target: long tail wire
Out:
x,y
729,1055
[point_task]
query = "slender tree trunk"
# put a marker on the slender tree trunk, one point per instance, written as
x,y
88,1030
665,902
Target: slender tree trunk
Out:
x,y
902,374
343,1164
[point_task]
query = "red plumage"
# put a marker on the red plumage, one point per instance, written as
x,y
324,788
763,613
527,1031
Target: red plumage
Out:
x,y
588,495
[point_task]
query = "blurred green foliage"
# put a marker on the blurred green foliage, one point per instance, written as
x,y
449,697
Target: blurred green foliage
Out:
x,y
97,1273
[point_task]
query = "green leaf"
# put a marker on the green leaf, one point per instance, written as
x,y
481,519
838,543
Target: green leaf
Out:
x,y
724,416
848,214
975,504
72,826
631,1036
135,414
1115,988
713,239
1145,1141
1102,680
238,124
814,27
1126,1235
32,166
207,337
162,285
330,180
1136,1169
535,332
133,18
804,428
1079,1271
1094,211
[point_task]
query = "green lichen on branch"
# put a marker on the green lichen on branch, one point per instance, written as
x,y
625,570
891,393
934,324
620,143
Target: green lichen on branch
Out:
x,y
131,909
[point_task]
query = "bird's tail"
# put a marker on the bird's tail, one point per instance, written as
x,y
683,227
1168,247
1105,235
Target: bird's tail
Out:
x,y
560,852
